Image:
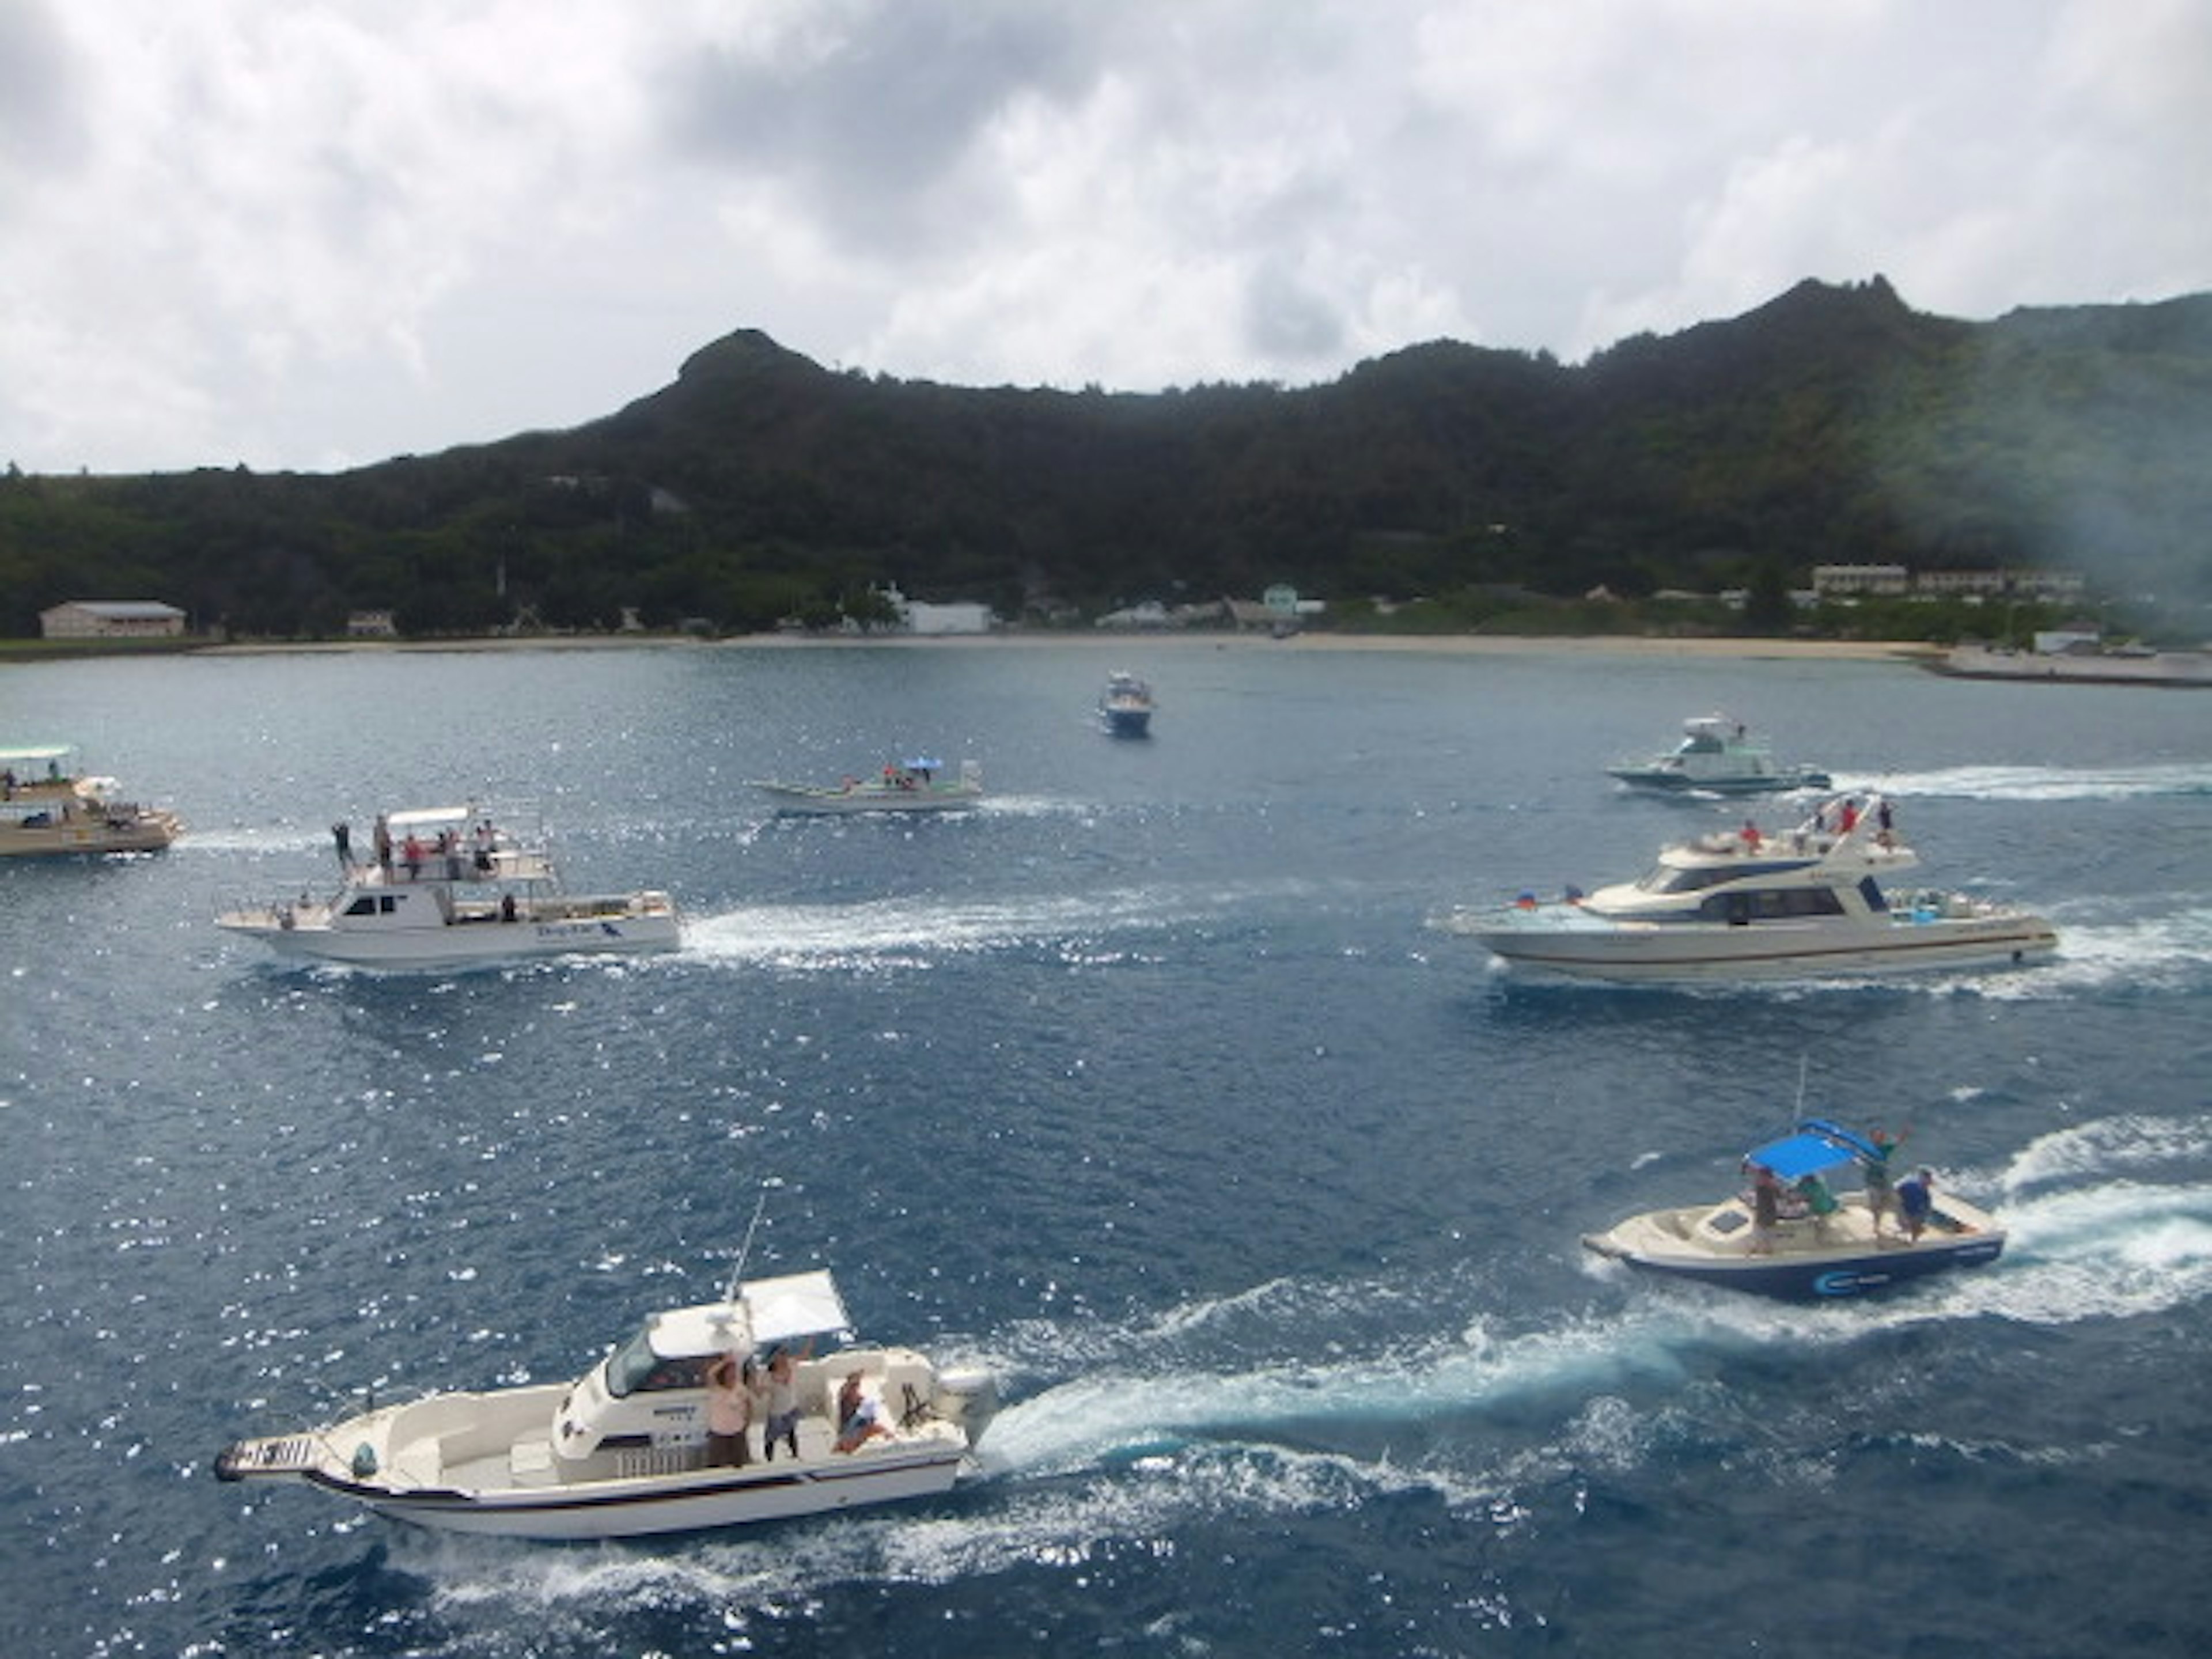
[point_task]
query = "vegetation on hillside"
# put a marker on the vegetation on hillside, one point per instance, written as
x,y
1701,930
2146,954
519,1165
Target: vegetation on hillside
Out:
x,y
1444,485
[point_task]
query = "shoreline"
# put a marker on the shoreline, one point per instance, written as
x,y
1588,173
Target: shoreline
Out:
x,y
1742,649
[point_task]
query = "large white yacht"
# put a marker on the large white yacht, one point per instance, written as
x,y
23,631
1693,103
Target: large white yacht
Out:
x,y
622,1451
447,887
1812,901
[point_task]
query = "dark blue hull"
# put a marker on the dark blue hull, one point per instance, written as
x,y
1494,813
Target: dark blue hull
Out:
x,y
1828,1277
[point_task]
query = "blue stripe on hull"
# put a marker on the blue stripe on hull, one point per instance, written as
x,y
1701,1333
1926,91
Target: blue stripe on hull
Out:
x,y
1827,1280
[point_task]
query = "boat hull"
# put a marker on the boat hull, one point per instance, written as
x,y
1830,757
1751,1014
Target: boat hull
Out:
x,y
1128,722
694,1503
1671,781
1582,947
462,944
1808,1261
796,801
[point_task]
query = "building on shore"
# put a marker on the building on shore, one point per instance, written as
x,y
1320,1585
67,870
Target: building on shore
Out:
x,y
111,619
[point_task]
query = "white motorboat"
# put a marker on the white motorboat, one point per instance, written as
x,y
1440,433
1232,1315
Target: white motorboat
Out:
x,y
1722,756
1808,903
449,887
1125,706
622,1451
915,786
48,806
1819,1243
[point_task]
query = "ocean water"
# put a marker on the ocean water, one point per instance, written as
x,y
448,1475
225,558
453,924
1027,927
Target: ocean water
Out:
x,y
1146,1086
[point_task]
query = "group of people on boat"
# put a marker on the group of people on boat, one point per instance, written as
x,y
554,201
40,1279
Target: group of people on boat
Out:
x,y
1908,1203
1837,818
411,853
740,1393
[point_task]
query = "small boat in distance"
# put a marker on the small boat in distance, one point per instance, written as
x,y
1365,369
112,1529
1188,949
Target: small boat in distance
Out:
x,y
49,806
912,786
1721,756
1812,1243
1125,706
622,1452
451,887
1807,903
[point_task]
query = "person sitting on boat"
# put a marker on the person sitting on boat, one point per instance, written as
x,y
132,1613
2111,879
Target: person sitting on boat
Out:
x,y
729,1414
1916,1203
1819,1202
858,1416
1750,836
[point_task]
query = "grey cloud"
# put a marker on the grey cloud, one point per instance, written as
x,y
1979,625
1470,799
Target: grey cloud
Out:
x,y
39,122
866,130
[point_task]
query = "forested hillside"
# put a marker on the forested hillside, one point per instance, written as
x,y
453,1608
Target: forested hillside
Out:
x,y
1833,425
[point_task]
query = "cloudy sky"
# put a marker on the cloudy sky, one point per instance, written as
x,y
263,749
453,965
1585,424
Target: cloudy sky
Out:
x,y
313,234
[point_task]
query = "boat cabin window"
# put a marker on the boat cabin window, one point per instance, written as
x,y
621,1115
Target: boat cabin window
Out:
x,y
1667,879
369,903
633,1368
1870,890
1769,904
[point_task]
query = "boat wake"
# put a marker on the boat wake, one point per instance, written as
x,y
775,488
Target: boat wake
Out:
x,y
2039,783
893,932
1148,1430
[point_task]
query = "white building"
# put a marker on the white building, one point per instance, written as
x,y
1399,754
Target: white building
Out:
x,y
111,619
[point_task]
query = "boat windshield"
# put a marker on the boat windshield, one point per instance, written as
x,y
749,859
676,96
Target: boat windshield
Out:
x,y
1674,879
633,1368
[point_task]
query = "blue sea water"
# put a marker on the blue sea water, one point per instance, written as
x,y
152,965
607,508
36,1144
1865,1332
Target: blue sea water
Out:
x,y
1146,1086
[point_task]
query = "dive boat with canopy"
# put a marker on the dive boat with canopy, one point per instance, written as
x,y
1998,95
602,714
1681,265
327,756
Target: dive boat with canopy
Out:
x,y
452,887
1810,902
49,806
1819,1244
622,1452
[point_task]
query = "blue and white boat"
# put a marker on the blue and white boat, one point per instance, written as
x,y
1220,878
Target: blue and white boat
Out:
x,y
1718,756
919,785
1124,707
1821,1245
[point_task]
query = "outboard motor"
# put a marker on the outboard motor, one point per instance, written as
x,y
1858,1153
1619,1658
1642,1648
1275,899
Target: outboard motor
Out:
x,y
968,1398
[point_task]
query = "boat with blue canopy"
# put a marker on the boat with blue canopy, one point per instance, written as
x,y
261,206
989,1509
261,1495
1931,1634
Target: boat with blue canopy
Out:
x,y
1787,1232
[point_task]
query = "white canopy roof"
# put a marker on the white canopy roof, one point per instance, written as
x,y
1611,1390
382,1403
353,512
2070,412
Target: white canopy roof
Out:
x,y
767,1311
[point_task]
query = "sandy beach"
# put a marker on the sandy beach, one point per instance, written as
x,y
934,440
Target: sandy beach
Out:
x,y
1128,643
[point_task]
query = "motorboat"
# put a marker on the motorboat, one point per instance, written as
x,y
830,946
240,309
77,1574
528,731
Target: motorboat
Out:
x,y
50,806
1820,1244
1813,901
918,784
1720,755
622,1451
450,887
1125,706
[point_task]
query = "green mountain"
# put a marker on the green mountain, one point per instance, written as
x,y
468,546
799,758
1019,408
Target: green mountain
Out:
x,y
1833,425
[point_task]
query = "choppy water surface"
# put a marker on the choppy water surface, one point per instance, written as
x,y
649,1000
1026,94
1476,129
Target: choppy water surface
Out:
x,y
1146,1086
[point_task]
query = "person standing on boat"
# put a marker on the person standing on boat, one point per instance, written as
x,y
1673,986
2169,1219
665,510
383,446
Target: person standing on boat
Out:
x,y
729,1414
383,845
782,1403
1916,1203
342,833
1766,1209
1881,1184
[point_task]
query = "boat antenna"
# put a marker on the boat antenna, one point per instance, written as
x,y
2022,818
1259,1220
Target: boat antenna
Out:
x,y
1803,1062
738,1272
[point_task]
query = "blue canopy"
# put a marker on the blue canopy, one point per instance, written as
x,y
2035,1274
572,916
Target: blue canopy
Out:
x,y
1816,1146
923,764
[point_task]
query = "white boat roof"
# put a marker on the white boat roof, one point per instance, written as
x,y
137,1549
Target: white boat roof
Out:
x,y
429,817
767,1311
13,753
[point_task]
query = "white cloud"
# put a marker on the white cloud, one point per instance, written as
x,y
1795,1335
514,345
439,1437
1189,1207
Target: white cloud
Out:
x,y
330,231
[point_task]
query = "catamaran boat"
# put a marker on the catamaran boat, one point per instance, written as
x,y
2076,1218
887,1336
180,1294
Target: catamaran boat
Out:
x,y
49,806
622,1452
447,887
1819,1243
1722,756
917,785
1810,902
1126,705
